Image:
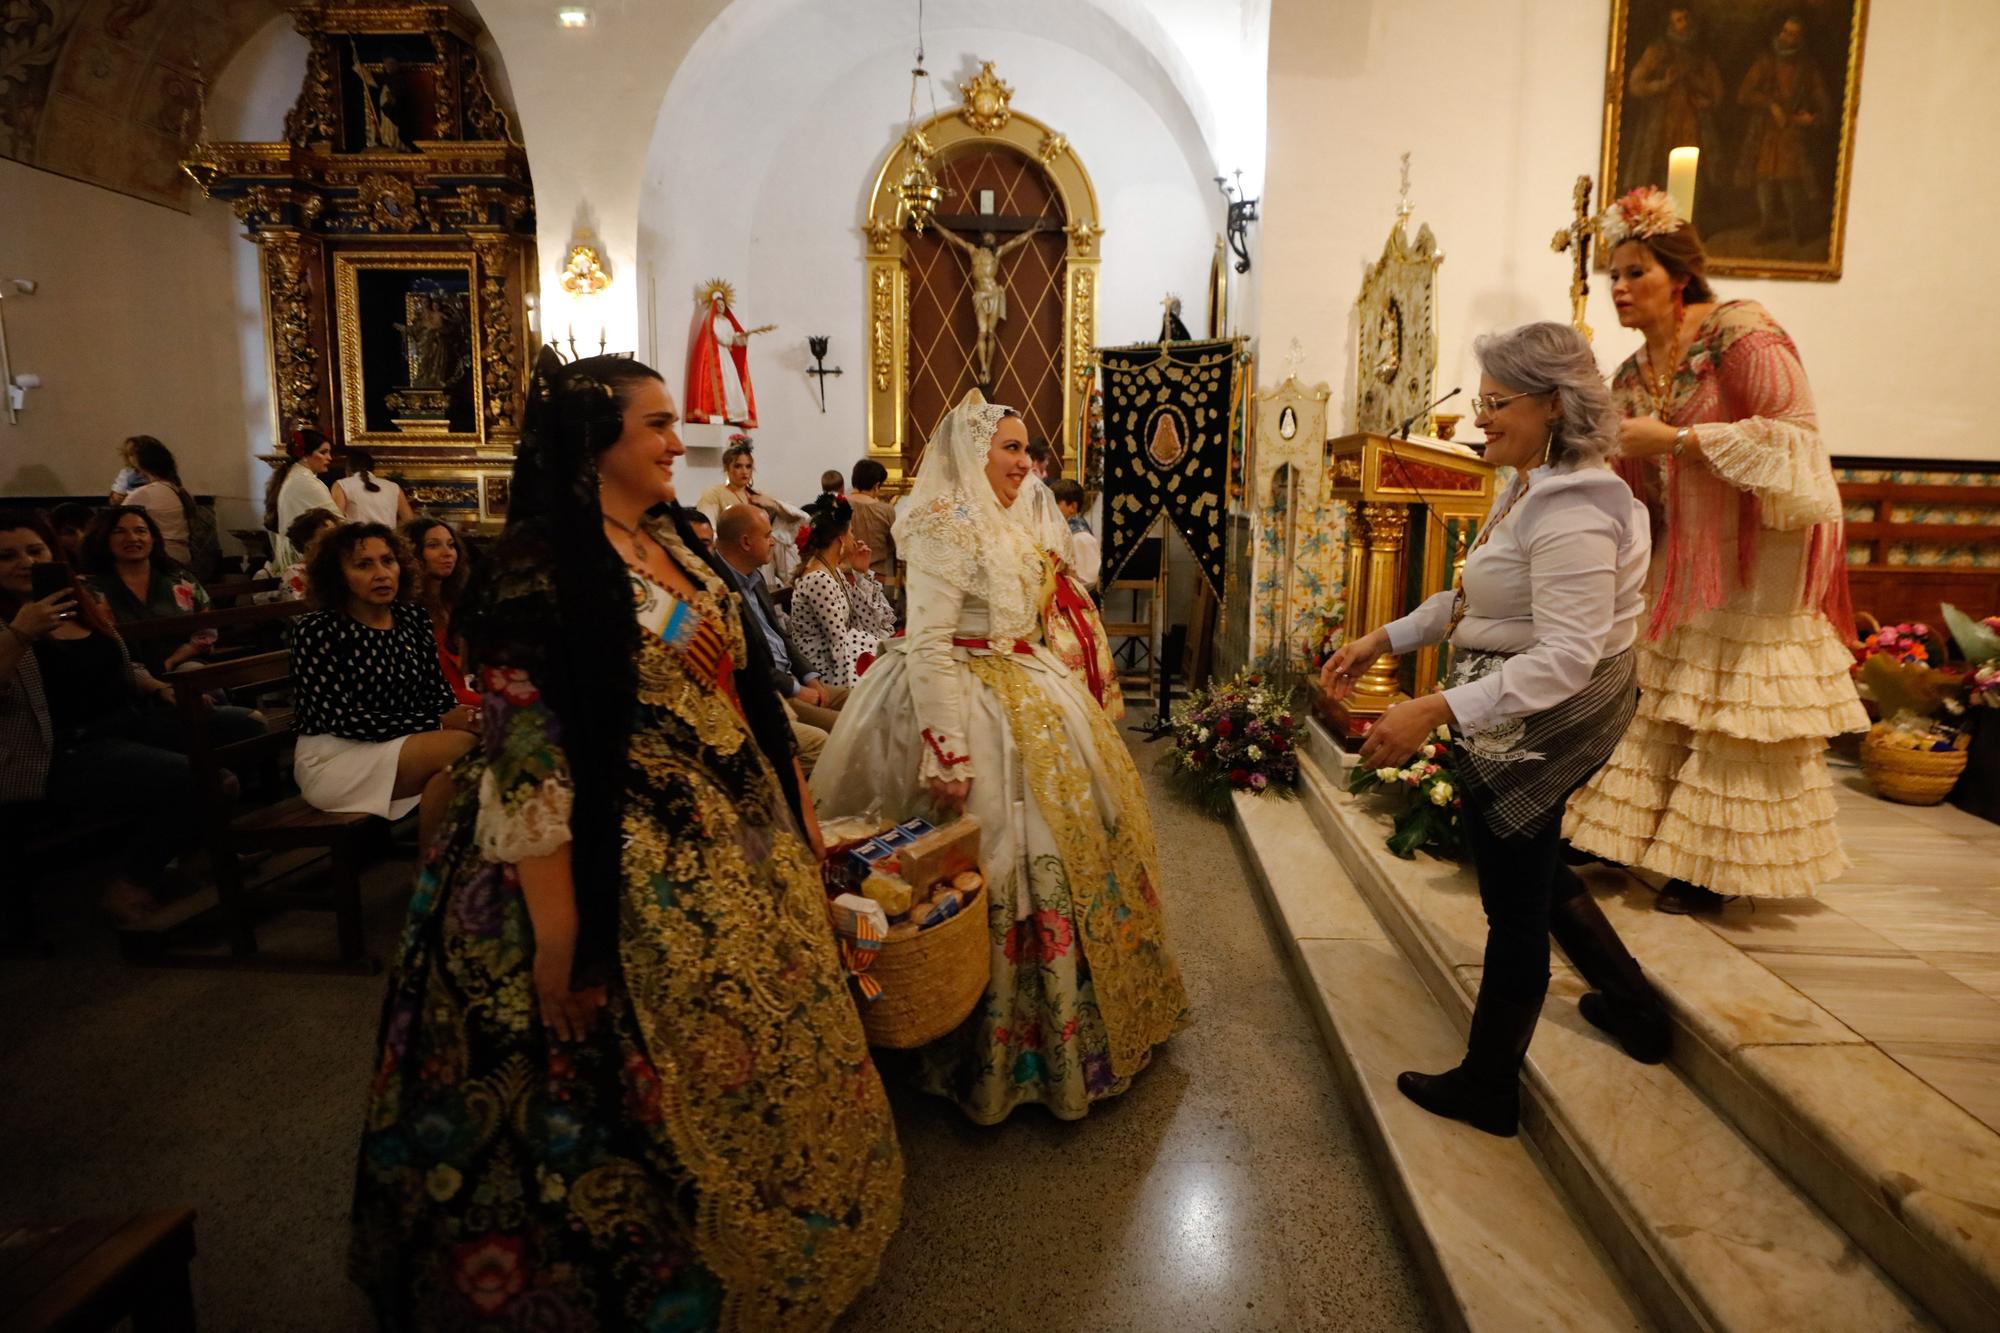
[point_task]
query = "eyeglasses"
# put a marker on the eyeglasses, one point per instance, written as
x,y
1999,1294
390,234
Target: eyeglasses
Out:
x,y
1484,405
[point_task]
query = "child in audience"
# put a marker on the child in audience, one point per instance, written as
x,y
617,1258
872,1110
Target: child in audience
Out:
x,y
304,530
1089,554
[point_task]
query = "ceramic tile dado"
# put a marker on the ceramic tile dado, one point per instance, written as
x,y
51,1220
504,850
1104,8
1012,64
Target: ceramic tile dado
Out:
x,y
1892,999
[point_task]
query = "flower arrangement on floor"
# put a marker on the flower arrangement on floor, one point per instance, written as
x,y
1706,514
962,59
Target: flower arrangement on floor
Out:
x,y
1240,735
1428,787
1916,753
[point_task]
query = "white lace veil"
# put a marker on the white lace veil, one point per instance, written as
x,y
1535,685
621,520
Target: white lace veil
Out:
x,y
953,526
1035,508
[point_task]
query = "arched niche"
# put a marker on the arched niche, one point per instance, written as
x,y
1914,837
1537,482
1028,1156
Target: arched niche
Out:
x,y
986,119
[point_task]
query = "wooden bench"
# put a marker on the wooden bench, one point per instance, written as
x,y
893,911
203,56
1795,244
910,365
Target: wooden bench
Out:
x,y
1895,592
78,1277
226,593
290,824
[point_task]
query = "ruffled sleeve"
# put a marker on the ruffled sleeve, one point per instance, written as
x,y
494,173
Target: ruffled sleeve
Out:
x,y
1773,447
937,679
872,611
526,793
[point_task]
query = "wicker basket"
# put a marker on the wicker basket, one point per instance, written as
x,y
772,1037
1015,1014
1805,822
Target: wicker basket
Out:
x,y
1911,777
931,981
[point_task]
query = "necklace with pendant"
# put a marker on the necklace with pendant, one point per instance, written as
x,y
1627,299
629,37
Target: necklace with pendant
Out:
x,y
1660,376
633,534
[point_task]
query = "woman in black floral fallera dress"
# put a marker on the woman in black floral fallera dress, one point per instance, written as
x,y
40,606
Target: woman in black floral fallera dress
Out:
x,y
682,1129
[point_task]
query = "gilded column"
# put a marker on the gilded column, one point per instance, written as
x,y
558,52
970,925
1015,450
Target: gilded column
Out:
x,y
1387,526
289,258
886,353
500,352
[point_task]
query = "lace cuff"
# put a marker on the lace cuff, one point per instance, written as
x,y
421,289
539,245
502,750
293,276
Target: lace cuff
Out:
x,y
1783,462
527,821
945,759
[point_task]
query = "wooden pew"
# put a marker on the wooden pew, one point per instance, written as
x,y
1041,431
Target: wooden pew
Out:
x,y
78,1277
289,824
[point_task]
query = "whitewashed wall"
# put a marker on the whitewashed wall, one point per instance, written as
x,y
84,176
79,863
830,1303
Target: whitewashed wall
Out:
x,y
1500,102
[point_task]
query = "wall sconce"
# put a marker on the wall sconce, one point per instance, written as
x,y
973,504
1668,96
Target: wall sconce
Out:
x,y
817,343
583,275
1242,212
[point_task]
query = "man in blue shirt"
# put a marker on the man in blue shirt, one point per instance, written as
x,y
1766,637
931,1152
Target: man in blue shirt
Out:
x,y
743,540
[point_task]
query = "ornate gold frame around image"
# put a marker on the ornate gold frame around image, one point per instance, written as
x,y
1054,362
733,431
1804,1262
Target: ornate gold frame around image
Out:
x,y
1827,270
347,266
986,118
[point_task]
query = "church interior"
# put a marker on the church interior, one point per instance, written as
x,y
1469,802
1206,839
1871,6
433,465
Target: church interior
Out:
x,y
1253,277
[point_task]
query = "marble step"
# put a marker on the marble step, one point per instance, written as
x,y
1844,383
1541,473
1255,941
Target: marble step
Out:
x,y
1908,1174
1498,1246
1707,1231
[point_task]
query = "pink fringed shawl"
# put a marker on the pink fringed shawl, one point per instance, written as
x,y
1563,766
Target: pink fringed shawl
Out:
x,y
1742,370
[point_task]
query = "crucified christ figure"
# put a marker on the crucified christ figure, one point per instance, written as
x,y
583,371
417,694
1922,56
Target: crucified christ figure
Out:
x,y
989,297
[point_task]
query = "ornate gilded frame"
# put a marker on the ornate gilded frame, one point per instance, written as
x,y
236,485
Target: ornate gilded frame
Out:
x,y
1397,340
347,268
1718,264
986,118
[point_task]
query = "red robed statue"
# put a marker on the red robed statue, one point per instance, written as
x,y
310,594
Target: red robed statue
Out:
x,y
718,385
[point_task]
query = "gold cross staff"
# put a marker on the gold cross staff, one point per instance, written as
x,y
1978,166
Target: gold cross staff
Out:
x,y
1576,239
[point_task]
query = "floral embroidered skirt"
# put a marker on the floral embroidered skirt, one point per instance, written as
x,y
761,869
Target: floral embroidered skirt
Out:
x,y
509,1181
1083,985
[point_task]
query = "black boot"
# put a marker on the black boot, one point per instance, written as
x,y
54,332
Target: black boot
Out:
x,y
1485,1090
1680,898
1622,1002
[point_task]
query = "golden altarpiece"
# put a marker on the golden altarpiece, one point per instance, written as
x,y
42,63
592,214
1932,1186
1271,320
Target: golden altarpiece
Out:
x,y
982,175
396,224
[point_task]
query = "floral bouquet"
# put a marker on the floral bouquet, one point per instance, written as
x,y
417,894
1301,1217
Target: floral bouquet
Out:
x,y
1324,627
1428,788
1240,735
1906,643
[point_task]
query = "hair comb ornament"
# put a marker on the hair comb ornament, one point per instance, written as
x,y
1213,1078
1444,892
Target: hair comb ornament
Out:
x,y
1638,214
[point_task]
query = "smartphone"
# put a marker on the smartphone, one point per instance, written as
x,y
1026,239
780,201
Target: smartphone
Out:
x,y
50,577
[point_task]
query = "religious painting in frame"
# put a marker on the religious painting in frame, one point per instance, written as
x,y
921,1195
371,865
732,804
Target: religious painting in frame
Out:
x,y
1768,90
411,367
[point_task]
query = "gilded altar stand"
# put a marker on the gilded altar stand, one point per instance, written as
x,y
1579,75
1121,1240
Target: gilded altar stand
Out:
x,y
1414,507
1821,1151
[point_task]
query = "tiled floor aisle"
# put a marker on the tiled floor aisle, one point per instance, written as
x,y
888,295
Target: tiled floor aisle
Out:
x,y
1228,1190
1905,947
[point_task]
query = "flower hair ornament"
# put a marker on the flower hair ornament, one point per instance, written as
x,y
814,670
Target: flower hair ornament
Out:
x,y
1646,211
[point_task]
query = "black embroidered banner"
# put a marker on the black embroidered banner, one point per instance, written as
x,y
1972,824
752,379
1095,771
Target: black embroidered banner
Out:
x,y
1168,426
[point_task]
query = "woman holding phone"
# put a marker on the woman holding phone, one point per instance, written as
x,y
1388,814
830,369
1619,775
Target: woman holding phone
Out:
x,y
81,727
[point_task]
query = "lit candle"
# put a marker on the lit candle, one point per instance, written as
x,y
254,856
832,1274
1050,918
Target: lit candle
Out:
x,y
1681,163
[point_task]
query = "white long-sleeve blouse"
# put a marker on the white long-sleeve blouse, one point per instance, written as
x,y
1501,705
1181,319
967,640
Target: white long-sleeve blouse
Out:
x,y
1560,584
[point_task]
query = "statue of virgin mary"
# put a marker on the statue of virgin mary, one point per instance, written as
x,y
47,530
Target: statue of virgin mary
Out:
x,y
718,369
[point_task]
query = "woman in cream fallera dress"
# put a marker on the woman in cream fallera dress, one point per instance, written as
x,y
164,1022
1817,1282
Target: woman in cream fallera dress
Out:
x,y
1083,986
1722,782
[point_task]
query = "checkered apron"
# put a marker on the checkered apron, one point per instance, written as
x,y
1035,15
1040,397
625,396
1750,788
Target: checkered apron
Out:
x,y
1520,772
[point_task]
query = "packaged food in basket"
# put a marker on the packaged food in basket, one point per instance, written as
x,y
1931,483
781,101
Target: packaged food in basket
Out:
x,y
916,828
841,834
890,892
942,908
851,909
965,881
941,853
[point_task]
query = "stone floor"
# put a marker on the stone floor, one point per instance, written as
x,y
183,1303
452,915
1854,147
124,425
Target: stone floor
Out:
x,y
1905,947
1228,1190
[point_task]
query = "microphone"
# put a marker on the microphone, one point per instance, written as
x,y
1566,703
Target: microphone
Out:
x,y
1403,431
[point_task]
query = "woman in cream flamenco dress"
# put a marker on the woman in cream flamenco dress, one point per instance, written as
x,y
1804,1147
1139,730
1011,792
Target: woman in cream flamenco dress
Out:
x,y
1721,784
1083,987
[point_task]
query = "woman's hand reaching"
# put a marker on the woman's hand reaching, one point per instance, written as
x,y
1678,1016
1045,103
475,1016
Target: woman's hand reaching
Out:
x,y
950,797
1350,664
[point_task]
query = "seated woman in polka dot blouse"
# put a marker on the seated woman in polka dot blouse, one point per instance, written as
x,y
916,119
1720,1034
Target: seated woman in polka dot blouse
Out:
x,y
376,720
839,613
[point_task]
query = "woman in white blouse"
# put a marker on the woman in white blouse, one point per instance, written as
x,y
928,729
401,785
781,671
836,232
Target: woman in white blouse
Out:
x,y
839,613
363,497
295,488
1543,684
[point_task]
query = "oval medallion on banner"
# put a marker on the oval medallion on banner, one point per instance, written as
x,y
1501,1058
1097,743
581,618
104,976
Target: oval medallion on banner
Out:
x,y
1166,438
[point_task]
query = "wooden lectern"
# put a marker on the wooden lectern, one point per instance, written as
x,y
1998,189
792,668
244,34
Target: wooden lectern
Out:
x,y
1402,495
